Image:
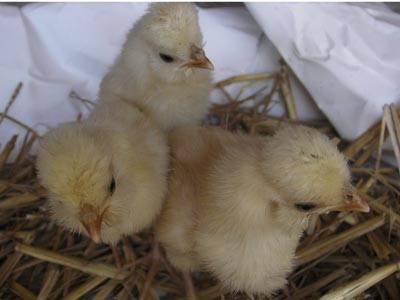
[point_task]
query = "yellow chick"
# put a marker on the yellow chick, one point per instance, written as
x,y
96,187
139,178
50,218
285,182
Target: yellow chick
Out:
x,y
162,67
237,205
106,176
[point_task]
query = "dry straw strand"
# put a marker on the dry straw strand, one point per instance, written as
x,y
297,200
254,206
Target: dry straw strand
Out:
x,y
21,291
335,242
50,280
358,286
99,269
11,100
85,288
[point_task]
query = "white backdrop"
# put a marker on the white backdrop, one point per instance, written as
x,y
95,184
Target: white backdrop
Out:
x,y
346,55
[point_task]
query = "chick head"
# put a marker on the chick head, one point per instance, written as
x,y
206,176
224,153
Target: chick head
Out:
x,y
172,41
309,172
92,188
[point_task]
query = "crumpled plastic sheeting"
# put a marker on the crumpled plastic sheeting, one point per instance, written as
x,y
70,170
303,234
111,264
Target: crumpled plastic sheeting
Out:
x,y
54,48
346,55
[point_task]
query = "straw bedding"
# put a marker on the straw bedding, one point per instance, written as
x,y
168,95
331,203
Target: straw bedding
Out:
x,y
342,256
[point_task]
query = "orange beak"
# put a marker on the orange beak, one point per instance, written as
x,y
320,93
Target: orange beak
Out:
x,y
356,204
92,222
198,59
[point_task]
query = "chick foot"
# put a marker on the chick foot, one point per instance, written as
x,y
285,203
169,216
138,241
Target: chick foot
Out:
x,y
189,286
154,260
117,257
89,249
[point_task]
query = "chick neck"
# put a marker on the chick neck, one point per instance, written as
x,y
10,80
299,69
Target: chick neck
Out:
x,y
129,77
250,199
119,114
294,221
283,211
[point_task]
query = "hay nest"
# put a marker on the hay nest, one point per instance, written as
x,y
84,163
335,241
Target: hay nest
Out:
x,y
343,255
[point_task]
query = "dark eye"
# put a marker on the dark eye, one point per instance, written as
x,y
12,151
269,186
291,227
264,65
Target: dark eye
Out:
x,y
166,58
112,186
349,197
305,206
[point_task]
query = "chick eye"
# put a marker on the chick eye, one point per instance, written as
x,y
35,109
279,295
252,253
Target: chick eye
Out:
x,y
349,197
305,206
166,58
112,186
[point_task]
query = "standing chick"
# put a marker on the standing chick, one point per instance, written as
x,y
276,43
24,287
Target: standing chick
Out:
x,y
162,67
237,205
106,176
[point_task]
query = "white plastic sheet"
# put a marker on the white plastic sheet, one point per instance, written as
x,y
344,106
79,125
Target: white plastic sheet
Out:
x,y
347,56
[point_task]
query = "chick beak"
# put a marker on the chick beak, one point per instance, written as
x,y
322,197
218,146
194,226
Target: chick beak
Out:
x,y
91,220
198,59
356,204
93,230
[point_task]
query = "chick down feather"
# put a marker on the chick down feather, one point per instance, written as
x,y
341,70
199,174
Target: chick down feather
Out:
x,y
237,205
